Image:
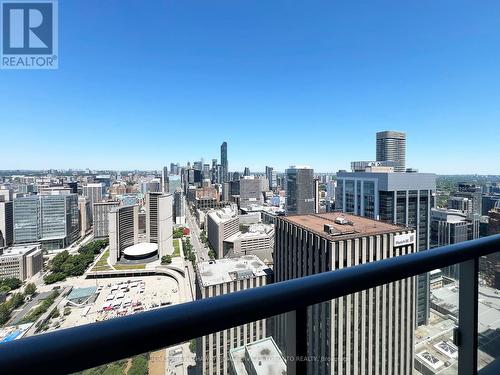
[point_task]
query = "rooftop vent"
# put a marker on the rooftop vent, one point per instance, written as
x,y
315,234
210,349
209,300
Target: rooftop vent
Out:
x,y
341,220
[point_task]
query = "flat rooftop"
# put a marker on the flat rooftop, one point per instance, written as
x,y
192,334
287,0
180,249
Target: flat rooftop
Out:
x,y
357,226
264,356
18,250
225,270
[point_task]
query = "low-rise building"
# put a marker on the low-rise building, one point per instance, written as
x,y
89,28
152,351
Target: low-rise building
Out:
x,y
259,357
256,239
221,224
21,262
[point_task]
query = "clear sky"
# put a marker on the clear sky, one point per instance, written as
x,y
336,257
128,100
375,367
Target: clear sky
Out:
x,y
141,84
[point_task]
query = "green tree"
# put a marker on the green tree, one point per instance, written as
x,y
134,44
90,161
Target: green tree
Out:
x,y
11,282
56,264
4,313
30,289
54,277
166,259
139,365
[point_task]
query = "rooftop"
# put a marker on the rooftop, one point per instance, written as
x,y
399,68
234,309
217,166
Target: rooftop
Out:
x,y
356,226
225,270
223,214
254,231
263,355
19,249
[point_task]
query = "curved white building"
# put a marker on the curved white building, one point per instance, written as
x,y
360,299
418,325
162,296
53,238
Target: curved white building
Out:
x,y
123,230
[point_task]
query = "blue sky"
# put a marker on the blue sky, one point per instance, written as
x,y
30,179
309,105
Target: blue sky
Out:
x,y
143,83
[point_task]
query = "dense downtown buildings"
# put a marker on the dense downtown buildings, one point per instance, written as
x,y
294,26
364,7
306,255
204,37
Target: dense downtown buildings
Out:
x,y
224,276
366,332
233,235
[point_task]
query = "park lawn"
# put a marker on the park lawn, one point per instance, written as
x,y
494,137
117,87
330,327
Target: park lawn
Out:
x,y
177,248
130,266
102,263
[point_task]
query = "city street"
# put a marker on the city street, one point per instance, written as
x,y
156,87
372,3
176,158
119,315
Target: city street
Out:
x,y
200,250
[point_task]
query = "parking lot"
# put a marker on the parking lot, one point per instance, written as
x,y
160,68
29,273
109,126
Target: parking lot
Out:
x,y
121,297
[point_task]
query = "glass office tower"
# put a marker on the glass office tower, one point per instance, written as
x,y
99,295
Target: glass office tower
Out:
x,y
398,198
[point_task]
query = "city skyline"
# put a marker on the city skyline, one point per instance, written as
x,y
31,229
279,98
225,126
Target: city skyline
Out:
x,y
319,80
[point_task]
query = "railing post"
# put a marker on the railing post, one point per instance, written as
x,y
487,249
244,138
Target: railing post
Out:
x,y
467,317
296,341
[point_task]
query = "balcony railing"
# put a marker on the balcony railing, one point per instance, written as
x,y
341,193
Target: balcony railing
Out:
x,y
79,348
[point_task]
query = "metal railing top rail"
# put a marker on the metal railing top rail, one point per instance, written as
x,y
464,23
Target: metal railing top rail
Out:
x,y
74,349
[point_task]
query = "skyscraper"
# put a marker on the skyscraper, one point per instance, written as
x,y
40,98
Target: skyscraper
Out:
x,y
398,198
164,180
369,332
223,162
391,146
6,223
299,190
271,177
246,172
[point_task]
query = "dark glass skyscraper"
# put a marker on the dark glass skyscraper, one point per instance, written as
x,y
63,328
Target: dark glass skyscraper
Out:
x,y
398,198
223,162
299,190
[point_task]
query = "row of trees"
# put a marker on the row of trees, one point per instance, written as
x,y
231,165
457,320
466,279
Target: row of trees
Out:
x,y
64,265
16,300
204,239
188,250
41,308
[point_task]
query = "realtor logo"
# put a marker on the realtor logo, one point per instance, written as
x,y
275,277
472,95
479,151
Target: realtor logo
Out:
x,y
29,34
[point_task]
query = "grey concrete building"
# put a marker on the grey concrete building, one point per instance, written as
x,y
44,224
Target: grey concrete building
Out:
x,y
21,262
251,189
256,239
94,192
369,332
101,218
221,224
299,190
391,146
85,216
224,276
398,198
